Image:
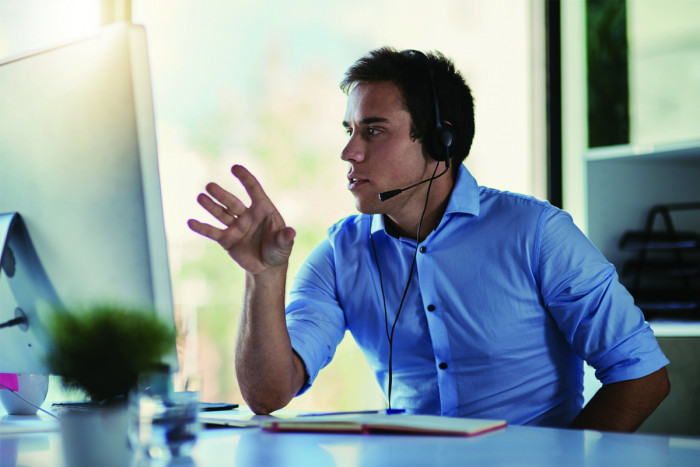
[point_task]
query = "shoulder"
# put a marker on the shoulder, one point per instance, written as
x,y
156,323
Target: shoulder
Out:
x,y
349,228
516,208
335,254
509,199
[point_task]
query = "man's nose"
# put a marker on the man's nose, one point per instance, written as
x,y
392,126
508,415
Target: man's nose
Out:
x,y
353,150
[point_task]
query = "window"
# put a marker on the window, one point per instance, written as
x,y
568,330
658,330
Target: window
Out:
x,y
257,83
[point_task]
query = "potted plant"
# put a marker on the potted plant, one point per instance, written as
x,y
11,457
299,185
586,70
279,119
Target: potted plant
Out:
x,y
101,351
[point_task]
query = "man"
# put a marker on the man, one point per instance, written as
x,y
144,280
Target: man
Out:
x,y
466,301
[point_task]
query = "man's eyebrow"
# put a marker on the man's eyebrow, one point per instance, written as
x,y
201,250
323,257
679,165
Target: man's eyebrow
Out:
x,y
368,121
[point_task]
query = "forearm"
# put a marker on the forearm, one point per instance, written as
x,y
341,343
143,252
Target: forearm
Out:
x,y
625,405
269,373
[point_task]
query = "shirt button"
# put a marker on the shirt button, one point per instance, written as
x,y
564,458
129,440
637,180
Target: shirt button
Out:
x,y
431,307
443,366
422,249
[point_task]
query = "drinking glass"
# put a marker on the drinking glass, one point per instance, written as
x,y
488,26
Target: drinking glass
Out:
x,y
163,423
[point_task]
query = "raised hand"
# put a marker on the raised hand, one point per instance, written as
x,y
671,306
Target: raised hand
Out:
x,y
256,236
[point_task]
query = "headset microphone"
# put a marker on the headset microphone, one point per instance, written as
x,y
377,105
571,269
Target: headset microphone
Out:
x,y
391,193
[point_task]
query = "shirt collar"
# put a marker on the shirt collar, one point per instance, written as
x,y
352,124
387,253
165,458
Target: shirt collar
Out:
x,y
465,194
464,199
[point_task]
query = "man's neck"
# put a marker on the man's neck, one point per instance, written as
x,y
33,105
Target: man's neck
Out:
x,y
407,225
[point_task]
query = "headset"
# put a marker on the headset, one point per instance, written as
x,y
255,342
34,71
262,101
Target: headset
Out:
x,y
438,139
442,135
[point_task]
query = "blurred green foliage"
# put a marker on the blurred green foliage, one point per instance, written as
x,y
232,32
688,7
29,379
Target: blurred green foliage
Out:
x,y
102,350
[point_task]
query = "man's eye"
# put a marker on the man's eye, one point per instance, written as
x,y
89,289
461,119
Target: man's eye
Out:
x,y
373,131
348,131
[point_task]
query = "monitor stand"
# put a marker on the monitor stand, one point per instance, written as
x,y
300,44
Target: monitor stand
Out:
x,y
30,285
20,263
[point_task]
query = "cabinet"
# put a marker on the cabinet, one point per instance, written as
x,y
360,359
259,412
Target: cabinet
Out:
x,y
622,184
610,190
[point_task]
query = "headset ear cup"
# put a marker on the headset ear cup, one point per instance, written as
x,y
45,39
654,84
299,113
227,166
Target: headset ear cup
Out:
x,y
441,139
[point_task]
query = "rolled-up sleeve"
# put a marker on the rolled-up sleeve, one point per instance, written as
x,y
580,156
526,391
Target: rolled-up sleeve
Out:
x,y
596,313
315,320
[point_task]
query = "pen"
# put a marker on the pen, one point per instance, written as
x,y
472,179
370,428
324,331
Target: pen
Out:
x,y
358,412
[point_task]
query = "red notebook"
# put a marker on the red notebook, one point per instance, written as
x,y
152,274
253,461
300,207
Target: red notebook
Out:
x,y
379,423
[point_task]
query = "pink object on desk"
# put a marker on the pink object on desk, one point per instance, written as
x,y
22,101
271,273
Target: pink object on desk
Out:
x,y
9,381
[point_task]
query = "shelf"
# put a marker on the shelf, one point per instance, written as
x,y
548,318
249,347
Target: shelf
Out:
x,y
678,151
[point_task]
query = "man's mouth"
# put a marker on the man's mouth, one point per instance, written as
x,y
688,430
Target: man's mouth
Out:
x,y
353,182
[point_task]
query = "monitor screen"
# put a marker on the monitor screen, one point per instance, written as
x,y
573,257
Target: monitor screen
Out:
x,y
78,162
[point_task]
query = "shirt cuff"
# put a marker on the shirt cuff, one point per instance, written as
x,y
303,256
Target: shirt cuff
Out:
x,y
313,361
637,356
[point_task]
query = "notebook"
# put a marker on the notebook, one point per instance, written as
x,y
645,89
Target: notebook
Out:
x,y
378,423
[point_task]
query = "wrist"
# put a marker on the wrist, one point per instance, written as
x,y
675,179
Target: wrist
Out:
x,y
269,274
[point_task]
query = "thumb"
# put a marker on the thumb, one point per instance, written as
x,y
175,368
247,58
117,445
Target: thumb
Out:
x,y
280,248
285,238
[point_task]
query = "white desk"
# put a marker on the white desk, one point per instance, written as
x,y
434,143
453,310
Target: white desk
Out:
x,y
518,446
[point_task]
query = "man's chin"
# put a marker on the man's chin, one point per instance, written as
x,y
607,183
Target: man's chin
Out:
x,y
365,207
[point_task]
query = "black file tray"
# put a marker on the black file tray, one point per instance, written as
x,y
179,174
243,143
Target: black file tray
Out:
x,y
642,240
665,275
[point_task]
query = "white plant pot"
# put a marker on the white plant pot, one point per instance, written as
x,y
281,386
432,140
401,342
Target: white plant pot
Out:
x,y
95,435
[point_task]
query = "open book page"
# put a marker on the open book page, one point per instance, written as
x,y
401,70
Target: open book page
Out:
x,y
242,417
419,424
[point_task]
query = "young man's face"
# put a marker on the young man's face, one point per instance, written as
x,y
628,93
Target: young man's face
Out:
x,y
380,153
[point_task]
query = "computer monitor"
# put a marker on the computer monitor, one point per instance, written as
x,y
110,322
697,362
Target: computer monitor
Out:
x,y
78,162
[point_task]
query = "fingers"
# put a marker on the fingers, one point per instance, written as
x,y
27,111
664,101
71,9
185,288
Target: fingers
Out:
x,y
226,212
251,184
223,205
205,229
227,238
232,206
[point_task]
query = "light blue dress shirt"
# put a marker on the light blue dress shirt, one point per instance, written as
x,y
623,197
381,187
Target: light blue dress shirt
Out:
x,y
507,298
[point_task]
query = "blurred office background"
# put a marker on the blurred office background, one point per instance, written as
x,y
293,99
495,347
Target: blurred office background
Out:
x,y
256,83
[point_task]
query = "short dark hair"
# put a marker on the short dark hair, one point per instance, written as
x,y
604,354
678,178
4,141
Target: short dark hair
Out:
x,y
410,74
